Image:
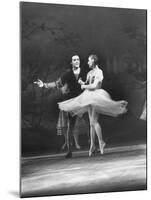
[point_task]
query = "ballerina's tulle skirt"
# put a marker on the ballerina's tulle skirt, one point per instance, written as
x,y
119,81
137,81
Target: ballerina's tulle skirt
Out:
x,y
99,100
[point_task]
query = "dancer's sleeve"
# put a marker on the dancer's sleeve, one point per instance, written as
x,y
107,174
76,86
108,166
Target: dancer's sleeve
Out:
x,y
99,77
54,85
87,78
59,83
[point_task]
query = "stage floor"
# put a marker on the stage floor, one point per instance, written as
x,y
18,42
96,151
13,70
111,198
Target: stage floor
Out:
x,y
121,168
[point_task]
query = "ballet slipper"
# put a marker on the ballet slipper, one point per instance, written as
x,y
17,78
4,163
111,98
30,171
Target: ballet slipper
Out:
x,y
102,147
63,146
78,146
92,151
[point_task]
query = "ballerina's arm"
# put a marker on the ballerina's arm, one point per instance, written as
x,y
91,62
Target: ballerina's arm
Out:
x,y
84,82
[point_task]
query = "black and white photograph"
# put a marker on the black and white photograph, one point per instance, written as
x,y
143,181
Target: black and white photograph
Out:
x,y
83,91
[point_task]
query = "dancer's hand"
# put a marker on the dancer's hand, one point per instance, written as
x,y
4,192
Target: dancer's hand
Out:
x,y
83,87
80,81
39,83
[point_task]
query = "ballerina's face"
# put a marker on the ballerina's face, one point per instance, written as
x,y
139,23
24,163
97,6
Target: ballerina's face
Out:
x,y
75,61
90,62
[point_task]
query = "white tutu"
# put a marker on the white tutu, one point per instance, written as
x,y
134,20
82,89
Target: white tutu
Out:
x,y
99,99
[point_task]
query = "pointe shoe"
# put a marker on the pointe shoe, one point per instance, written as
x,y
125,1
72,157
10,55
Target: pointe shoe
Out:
x,y
64,146
78,146
92,151
102,148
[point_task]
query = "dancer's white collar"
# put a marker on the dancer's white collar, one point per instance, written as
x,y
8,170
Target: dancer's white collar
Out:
x,y
76,71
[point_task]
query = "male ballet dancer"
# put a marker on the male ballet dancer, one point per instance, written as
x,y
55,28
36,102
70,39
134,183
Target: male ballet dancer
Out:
x,y
69,85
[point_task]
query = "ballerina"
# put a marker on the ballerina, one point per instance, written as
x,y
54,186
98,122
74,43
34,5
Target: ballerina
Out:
x,y
95,101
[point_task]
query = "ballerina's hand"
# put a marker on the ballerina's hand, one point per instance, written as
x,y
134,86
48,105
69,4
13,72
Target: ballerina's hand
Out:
x,y
82,87
39,83
80,81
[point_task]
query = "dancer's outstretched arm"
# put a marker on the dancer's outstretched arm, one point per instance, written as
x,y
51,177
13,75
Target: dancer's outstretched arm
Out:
x,y
55,84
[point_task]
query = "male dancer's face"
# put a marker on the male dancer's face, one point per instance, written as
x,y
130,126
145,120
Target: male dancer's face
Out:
x,y
75,62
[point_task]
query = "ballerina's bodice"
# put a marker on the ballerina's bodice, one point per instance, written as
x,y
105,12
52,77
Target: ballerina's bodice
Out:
x,y
95,75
